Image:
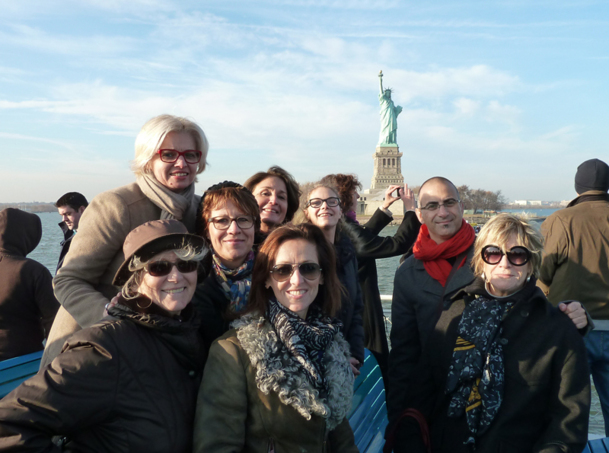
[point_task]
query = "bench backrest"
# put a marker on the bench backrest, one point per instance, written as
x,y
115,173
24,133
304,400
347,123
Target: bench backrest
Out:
x,y
16,370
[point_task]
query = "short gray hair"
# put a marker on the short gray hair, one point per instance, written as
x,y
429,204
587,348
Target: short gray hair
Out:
x,y
153,133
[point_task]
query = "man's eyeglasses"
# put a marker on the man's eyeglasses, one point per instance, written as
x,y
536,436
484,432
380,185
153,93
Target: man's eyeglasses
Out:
x,y
518,256
162,268
170,156
283,272
223,223
435,205
332,202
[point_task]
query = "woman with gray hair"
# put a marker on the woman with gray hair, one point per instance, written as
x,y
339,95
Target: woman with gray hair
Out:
x,y
169,153
128,383
504,371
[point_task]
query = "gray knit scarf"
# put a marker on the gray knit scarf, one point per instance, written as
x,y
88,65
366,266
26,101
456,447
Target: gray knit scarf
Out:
x,y
180,206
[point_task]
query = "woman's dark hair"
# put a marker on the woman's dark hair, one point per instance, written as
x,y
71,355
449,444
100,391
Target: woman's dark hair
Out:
x,y
217,196
328,297
290,184
346,185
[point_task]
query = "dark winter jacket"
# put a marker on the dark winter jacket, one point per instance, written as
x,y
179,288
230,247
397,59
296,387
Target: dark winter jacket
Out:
x,y
369,247
351,304
127,384
546,398
212,305
254,397
68,235
27,303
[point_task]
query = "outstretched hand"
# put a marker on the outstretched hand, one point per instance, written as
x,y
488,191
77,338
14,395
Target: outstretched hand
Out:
x,y
390,198
407,197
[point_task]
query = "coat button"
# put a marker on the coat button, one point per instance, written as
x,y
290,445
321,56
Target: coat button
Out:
x,y
503,341
524,313
192,373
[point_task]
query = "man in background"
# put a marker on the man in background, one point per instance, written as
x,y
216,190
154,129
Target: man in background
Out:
x,y
576,264
70,207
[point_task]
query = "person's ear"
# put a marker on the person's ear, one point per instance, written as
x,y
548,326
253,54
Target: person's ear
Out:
x,y
417,211
267,284
81,209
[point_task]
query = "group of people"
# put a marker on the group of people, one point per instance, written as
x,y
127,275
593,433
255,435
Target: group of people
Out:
x,y
236,321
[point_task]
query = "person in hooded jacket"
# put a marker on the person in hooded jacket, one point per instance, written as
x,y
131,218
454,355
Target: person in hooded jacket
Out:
x,y
27,303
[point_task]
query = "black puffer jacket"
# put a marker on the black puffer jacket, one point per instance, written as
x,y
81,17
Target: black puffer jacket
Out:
x,y
126,384
351,304
211,303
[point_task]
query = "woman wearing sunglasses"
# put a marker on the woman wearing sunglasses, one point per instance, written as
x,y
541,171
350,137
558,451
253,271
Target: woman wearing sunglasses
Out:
x,y
169,153
228,220
504,371
130,382
281,381
323,210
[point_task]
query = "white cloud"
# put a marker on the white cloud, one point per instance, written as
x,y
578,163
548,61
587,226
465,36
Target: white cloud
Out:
x,y
466,106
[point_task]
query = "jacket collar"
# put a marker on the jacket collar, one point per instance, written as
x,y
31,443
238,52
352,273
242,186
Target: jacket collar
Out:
x,y
280,373
462,277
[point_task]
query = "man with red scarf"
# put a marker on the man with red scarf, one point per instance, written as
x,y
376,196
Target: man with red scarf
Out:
x,y
426,281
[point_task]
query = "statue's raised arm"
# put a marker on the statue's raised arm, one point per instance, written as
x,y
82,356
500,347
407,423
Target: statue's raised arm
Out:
x,y
389,115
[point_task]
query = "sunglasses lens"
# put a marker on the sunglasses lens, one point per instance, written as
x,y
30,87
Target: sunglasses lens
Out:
x,y
310,271
492,255
186,267
282,272
518,256
159,268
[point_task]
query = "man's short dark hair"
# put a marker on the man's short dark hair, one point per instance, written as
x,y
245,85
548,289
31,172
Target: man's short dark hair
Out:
x,y
72,199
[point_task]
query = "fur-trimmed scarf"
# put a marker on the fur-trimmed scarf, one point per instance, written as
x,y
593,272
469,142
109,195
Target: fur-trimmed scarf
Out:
x,y
278,371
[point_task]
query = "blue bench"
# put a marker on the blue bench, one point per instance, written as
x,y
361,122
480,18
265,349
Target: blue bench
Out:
x,y
597,446
16,370
368,417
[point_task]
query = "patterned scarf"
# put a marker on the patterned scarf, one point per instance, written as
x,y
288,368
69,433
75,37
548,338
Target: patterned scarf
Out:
x,y
306,340
476,375
434,256
236,283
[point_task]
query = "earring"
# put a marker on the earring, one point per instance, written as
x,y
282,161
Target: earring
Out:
x,y
529,278
483,276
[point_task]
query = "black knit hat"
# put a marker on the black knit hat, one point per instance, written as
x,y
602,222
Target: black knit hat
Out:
x,y
592,175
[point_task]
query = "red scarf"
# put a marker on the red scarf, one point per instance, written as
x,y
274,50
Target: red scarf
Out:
x,y
434,256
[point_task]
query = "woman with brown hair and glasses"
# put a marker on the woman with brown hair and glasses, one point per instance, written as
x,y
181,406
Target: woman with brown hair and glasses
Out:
x,y
228,220
281,380
503,371
169,154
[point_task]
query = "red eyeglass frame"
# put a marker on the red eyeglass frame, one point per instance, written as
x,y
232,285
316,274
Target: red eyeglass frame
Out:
x,y
180,154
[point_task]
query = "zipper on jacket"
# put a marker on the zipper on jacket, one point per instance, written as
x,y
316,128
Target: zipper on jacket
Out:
x,y
271,448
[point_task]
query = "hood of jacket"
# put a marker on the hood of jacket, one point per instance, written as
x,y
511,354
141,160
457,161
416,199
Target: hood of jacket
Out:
x,y
20,232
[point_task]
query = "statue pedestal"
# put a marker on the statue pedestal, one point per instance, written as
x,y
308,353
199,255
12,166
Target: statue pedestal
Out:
x,y
387,167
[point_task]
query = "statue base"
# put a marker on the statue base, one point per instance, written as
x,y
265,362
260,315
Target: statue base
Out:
x,y
387,167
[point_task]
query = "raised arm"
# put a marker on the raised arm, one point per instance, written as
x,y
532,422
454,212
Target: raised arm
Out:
x,y
381,82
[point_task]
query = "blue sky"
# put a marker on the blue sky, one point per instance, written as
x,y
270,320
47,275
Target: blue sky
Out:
x,y
508,96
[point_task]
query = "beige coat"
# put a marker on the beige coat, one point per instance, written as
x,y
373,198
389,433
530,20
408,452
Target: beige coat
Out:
x,y
83,285
234,415
576,253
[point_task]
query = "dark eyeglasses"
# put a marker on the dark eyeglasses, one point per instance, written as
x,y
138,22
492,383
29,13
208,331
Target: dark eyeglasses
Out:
x,y
223,223
435,205
283,272
162,268
318,202
518,256
170,156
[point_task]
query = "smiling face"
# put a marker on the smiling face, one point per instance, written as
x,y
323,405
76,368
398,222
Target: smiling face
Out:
x,y
272,197
232,245
174,291
443,223
178,175
324,217
296,293
504,278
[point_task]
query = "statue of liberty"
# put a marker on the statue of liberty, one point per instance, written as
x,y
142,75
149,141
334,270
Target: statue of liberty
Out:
x,y
389,116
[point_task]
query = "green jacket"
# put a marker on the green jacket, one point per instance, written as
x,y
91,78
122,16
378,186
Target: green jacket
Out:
x,y
576,256
235,415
